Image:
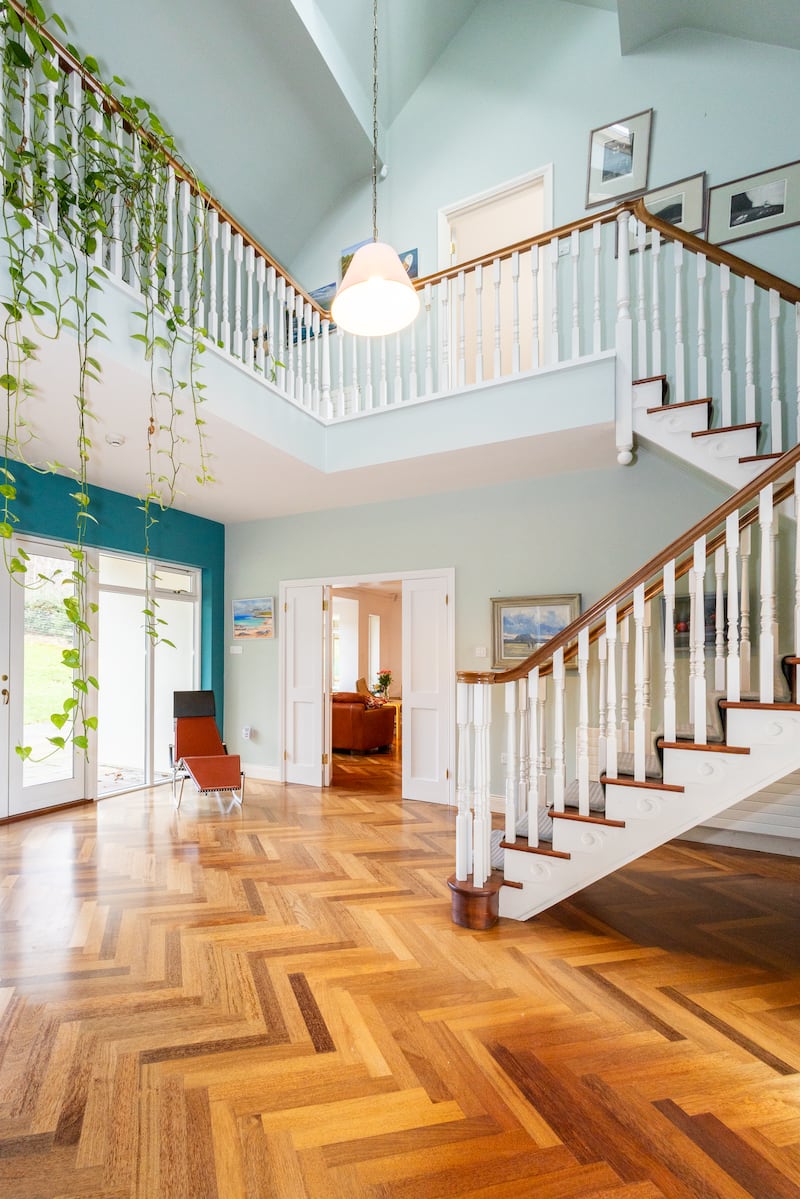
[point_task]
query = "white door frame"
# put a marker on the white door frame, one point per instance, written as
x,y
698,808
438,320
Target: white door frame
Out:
x,y
545,173
353,580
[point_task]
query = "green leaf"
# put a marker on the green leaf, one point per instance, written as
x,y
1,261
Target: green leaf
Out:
x,y
59,742
59,719
80,742
24,751
18,55
90,722
91,679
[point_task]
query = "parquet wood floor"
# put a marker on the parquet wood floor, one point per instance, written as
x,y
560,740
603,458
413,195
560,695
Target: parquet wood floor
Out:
x,y
273,1003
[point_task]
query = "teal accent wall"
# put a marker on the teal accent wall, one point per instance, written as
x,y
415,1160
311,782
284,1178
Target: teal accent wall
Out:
x,y
46,510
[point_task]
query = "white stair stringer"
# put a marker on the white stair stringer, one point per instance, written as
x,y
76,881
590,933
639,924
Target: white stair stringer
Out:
x,y
671,428
712,780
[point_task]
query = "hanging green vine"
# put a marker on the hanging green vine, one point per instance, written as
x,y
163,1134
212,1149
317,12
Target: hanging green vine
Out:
x,y
85,179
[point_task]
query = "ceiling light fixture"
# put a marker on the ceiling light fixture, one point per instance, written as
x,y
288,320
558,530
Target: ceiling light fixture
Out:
x,y
376,296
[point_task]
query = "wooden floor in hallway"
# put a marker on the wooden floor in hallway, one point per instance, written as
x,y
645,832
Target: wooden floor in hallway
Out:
x,y
272,1003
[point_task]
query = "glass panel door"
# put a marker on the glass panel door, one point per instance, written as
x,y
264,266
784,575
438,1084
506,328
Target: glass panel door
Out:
x,y
40,683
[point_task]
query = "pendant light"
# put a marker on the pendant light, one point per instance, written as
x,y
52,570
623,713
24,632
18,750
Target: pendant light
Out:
x,y
376,296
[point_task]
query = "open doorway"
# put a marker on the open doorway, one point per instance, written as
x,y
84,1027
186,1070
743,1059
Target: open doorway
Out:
x,y
366,661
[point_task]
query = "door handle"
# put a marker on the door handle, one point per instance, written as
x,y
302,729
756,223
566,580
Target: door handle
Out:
x,y
5,695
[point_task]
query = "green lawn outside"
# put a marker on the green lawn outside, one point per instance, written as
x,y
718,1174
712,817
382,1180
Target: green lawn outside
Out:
x,y
47,682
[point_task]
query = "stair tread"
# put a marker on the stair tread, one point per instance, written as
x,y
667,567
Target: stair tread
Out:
x,y
715,747
682,404
753,424
651,379
760,457
575,815
778,707
652,784
522,845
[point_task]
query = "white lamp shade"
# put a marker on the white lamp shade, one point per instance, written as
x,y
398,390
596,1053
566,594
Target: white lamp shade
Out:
x,y
376,296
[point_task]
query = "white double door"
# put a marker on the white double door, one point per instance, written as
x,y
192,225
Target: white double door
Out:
x,y
34,683
428,684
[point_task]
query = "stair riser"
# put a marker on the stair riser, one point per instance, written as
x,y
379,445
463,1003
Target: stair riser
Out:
x,y
682,420
575,836
753,726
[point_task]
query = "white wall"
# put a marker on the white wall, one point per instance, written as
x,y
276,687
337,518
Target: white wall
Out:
x,y
523,84
578,532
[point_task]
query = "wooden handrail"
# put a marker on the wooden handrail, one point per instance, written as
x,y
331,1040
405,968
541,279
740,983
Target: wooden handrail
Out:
x,y
739,266
644,574
73,65
541,239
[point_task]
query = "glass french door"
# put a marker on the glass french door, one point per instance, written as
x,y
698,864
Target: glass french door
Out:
x,y
36,684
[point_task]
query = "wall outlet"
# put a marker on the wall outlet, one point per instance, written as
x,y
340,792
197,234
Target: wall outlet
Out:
x,y
246,731
480,651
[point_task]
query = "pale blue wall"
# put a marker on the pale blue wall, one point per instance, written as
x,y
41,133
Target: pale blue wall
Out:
x,y
523,83
572,532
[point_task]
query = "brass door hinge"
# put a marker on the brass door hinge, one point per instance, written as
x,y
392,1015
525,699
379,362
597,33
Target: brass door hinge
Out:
x,y
285,606
286,755
446,598
324,759
324,605
447,774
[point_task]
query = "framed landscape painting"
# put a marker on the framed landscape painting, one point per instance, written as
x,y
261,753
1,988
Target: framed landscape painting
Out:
x,y
254,618
521,624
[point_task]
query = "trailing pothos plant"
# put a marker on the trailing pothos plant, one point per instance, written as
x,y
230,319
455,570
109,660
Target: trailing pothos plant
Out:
x,y
88,174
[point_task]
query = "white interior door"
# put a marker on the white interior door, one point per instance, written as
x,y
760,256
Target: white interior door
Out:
x,y
38,684
428,674
306,733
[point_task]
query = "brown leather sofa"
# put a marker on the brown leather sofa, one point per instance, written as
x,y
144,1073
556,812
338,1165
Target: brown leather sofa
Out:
x,y
358,727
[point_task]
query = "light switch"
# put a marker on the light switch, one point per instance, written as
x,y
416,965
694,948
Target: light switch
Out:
x,y
480,651
234,649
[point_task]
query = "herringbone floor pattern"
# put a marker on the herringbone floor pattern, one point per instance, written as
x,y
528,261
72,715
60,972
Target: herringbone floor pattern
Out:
x,y
274,1004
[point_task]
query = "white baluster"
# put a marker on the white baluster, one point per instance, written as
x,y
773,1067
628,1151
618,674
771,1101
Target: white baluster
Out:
x,y
541,761
355,384
260,330
797,369
698,636
326,407
246,350
341,398
478,324
597,308
512,760
553,302
75,103
745,594
464,791
623,334
482,824
524,773
213,235
497,361
369,397
444,338
749,378
669,652
515,347
733,693
655,307
184,204
534,797
397,392
583,722
303,309
602,704
279,347
226,239
559,758
680,357
115,242
292,345
767,641
725,322
575,250
535,306
702,353
719,620
648,669
169,241
624,686
611,700
639,718
198,315
152,257
272,352
641,305
462,336
26,178
315,344
413,377
796,642
428,341
383,388
775,414
51,87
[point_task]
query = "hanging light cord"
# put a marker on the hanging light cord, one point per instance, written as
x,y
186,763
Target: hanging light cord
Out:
x,y
374,120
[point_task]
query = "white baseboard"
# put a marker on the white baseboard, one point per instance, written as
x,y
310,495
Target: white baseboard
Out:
x,y
266,774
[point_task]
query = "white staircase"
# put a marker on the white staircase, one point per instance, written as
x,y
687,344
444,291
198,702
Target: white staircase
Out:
x,y
689,716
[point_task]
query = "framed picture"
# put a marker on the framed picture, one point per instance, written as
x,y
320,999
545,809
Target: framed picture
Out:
x,y
619,155
755,204
682,618
254,618
682,204
522,623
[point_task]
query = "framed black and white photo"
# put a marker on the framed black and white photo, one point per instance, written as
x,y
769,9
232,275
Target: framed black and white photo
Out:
x,y
682,204
755,204
619,154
